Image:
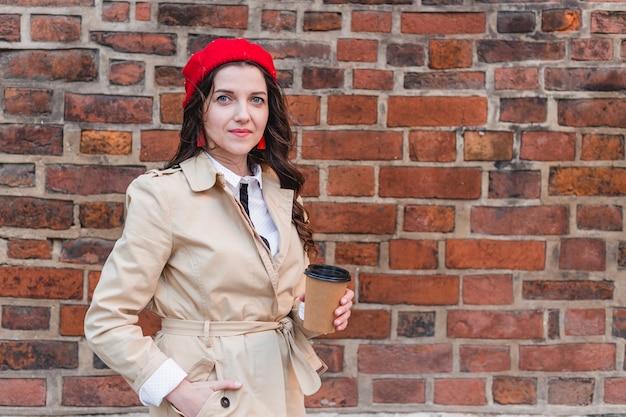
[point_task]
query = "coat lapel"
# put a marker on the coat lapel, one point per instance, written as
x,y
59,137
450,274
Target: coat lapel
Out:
x,y
279,203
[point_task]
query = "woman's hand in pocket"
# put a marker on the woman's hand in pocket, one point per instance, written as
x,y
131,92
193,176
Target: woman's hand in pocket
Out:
x,y
189,397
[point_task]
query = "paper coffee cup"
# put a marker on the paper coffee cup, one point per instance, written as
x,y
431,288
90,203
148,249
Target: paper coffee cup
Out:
x,y
325,285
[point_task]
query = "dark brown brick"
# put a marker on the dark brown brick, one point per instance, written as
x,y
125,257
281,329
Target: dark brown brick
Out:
x,y
36,213
585,79
101,215
86,250
28,101
314,78
98,391
163,44
23,355
606,112
207,16
25,317
127,72
168,76
571,391
416,323
529,220
10,28
29,249
524,110
515,22
278,20
514,184
470,80
17,175
493,51
70,65
514,390
70,179
115,11
321,21
405,55
31,139
399,391
340,392
107,109
568,290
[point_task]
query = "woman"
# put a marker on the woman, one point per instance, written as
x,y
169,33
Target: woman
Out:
x,y
225,276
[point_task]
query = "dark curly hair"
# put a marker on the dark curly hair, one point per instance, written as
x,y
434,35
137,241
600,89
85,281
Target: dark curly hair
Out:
x,y
279,142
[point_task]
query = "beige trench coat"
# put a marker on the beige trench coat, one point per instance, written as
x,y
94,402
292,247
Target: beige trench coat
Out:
x,y
189,254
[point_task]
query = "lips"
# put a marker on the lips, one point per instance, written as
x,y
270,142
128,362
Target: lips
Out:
x,y
240,132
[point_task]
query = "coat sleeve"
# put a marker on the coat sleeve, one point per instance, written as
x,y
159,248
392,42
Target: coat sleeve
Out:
x,y
128,282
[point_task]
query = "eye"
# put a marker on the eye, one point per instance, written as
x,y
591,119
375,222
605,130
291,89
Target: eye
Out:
x,y
258,100
222,99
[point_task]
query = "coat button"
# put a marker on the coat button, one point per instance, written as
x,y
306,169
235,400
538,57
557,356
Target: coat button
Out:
x,y
225,402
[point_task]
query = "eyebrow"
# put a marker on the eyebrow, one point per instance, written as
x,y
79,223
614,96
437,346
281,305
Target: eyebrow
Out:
x,y
254,93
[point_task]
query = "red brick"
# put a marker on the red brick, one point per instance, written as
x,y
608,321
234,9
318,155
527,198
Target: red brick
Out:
x,y
606,112
524,324
352,110
48,28
117,11
86,250
334,393
484,358
357,50
514,390
599,147
587,181
404,359
17,175
321,21
365,324
418,182
352,218
614,390
399,391
357,253
516,78
92,278
142,11
28,101
23,392
314,78
497,50
488,289
432,146
101,215
605,218
31,140
548,146
207,16
571,391
158,145
429,219
72,320
171,108
568,290
449,53
515,184
523,110
30,355
70,179
495,254
25,318
10,28
163,44
70,65
369,79
127,72
44,283
98,391
560,20
460,391
352,145
35,213
606,21
304,110
332,356
574,357
351,181
29,249
488,145
591,49
278,20
149,322
584,322
436,111
583,254
371,21
106,142
425,289
443,23
107,109
529,220
412,254
312,180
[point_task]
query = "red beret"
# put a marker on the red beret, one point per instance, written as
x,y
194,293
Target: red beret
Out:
x,y
219,52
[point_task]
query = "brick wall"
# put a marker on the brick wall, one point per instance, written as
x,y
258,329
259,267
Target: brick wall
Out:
x,y
465,160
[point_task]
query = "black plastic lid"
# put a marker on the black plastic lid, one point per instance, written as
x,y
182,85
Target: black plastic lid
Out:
x,y
328,273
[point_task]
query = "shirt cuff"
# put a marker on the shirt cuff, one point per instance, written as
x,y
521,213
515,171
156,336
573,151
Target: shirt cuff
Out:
x,y
161,383
301,311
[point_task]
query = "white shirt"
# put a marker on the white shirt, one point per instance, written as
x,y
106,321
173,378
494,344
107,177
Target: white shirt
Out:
x,y
169,375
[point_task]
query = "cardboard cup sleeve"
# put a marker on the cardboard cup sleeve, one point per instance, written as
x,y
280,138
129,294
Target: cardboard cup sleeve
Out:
x,y
325,285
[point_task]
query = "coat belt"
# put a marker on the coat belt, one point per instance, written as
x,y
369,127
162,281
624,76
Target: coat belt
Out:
x,y
306,364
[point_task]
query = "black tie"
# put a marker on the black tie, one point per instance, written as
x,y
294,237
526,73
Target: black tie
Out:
x,y
243,199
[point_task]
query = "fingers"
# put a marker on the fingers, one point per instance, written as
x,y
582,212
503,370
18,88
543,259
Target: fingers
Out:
x,y
227,384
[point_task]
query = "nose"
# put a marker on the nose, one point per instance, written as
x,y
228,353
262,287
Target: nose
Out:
x,y
241,113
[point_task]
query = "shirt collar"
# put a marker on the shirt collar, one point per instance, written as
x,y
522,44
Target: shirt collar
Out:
x,y
233,179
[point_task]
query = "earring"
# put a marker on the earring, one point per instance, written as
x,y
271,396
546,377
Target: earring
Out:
x,y
201,140
261,144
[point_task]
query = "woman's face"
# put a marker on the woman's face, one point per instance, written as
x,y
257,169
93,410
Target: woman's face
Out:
x,y
236,112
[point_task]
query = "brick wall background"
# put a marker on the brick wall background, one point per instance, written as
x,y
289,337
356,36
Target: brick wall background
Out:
x,y
465,161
